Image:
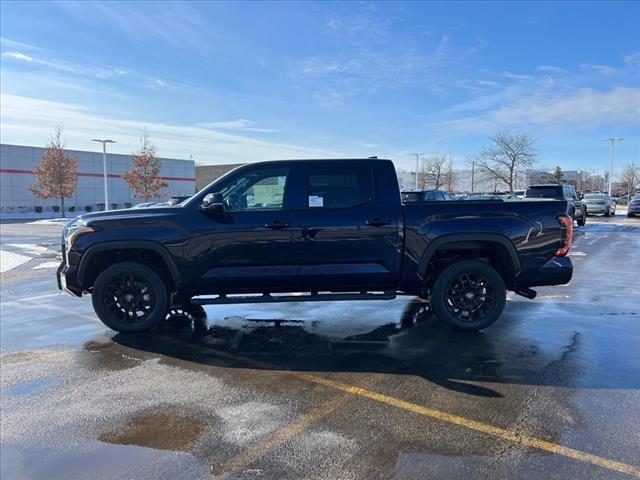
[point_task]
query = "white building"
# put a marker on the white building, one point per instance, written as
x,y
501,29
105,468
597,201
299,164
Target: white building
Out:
x,y
16,175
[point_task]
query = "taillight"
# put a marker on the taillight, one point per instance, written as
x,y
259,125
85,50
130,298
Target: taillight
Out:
x,y
567,235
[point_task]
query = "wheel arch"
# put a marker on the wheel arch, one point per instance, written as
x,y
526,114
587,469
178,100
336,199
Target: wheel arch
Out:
x,y
506,256
151,253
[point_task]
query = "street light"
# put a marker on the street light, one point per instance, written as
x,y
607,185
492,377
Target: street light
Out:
x,y
104,166
417,155
613,141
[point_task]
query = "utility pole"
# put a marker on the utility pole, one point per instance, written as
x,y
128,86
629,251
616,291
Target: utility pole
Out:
x,y
613,141
473,172
417,155
104,167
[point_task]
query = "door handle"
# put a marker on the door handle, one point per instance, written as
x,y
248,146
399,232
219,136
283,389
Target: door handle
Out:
x,y
276,225
378,222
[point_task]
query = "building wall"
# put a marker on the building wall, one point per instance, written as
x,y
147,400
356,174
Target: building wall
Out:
x,y
205,174
17,163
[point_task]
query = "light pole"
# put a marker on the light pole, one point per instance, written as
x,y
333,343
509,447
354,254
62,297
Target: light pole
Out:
x,y
417,155
104,166
613,141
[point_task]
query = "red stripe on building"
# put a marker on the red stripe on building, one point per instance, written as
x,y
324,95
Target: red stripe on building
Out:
x,y
100,175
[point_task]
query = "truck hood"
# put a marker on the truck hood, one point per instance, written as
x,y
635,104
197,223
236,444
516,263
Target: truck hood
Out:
x,y
128,214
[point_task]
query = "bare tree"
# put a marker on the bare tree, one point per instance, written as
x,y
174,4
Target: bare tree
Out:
x,y
55,176
508,153
451,175
144,177
434,170
631,177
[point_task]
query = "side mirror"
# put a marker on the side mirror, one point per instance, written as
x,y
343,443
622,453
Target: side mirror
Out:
x,y
213,202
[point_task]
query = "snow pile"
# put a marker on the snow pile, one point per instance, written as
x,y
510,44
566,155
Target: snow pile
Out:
x,y
51,221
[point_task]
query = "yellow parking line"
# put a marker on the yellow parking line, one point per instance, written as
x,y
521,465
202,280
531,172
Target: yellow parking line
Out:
x,y
247,457
432,413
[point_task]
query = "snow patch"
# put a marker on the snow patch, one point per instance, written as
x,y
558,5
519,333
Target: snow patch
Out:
x,y
46,265
11,260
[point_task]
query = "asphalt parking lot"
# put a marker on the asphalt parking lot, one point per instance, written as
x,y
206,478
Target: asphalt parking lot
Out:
x,y
337,390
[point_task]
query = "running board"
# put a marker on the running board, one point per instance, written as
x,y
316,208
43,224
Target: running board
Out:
x,y
312,297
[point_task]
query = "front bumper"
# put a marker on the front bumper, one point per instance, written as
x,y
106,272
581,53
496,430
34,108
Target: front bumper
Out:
x,y
66,276
635,209
557,271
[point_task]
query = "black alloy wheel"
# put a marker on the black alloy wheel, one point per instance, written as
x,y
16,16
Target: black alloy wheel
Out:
x,y
130,297
469,295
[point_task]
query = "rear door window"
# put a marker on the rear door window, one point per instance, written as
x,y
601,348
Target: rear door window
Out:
x,y
339,186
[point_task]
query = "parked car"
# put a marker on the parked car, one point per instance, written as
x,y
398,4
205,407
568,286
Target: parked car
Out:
x,y
336,230
600,203
519,194
634,206
426,196
576,208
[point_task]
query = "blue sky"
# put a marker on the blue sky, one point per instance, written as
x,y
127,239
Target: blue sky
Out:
x,y
236,82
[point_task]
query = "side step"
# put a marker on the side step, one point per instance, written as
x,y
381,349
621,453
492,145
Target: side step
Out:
x,y
310,297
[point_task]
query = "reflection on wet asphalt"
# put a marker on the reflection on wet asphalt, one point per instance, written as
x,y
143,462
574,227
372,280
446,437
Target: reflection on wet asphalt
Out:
x,y
227,395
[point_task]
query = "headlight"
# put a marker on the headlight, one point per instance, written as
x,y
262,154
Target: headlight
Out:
x,y
72,231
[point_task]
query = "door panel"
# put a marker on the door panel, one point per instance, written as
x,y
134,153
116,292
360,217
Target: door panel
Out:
x,y
246,248
343,239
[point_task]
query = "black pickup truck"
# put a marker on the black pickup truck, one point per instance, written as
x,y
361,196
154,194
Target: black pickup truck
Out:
x,y
312,230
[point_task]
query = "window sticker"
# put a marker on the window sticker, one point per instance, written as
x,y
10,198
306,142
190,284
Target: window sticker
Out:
x,y
316,201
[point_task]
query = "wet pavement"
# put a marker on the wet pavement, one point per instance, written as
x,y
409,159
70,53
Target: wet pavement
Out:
x,y
328,390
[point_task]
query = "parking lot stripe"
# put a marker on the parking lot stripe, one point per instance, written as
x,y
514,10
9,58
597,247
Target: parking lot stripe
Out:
x,y
247,457
430,412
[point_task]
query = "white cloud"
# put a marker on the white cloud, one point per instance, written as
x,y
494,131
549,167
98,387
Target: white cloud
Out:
x,y
18,56
370,145
585,108
521,77
29,121
632,58
604,70
239,124
552,69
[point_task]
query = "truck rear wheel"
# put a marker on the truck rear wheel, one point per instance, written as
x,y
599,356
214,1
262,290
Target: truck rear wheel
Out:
x,y
130,297
469,295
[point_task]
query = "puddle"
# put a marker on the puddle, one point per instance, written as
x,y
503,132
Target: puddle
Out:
x,y
107,355
160,430
31,386
96,460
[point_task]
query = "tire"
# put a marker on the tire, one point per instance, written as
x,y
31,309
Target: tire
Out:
x,y
583,220
187,309
607,213
451,295
130,297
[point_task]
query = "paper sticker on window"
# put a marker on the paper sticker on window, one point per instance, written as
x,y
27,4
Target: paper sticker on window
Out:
x,y
316,201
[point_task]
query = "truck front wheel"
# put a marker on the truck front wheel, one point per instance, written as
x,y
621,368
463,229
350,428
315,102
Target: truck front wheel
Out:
x,y
130,297
469,295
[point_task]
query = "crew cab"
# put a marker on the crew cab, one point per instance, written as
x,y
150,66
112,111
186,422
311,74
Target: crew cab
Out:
x,y
313,230
576,208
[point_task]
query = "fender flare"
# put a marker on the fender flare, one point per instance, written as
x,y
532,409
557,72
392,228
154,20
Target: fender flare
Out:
x,y
442,240
128,244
